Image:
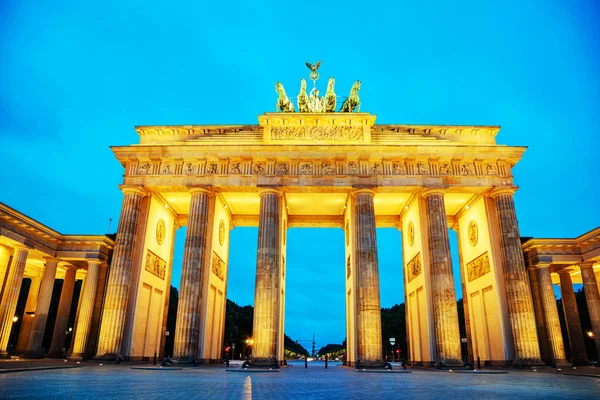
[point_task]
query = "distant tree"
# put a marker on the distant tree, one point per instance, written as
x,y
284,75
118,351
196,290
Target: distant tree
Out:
x,y
393,325
171,321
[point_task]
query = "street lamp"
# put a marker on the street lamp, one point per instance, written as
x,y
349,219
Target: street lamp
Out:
x,y
392,342
249,342
590,334
15,319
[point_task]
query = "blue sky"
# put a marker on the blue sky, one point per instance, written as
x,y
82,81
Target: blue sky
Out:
x,y
75,77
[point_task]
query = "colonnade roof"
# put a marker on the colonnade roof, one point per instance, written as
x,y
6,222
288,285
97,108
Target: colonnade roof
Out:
x,y
564,253
17,229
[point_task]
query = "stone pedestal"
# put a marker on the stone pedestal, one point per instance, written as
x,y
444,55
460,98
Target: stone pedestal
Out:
x,y
117,292
266,295
551,320
516,281
578,353
10,296
592,298
194,260
36,335
86,310
62,317
29,315
443,295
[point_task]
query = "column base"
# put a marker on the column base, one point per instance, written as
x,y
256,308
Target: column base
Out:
x,y
528,362
76,357
32,355
264,363
109,357
364,364
4,355
55,354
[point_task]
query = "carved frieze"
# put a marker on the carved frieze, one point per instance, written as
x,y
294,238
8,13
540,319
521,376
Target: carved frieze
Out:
x,y
478,267
306,168
398,168
467,169
281,168
352,168
258,168
422,168
317,133
155,265
218,266
321,167
413,268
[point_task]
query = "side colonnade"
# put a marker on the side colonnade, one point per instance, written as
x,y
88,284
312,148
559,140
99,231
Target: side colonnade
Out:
x,y
30,250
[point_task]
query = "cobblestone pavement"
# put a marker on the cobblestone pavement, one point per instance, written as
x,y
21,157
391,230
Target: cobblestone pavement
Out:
x,y
121,382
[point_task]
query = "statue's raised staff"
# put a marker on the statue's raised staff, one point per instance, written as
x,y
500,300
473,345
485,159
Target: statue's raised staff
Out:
x,y
330,99
352,102
303,97
283,103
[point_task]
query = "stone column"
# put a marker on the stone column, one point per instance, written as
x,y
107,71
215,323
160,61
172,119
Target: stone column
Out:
x,y
592,298
38,327
187,326
62,317
28,319
86,310
516,281
578,353
266,294
10,296
550,311
117,292
368,310
536,293
443,295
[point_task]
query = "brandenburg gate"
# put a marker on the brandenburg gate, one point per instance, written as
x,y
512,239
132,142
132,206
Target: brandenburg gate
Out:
x,y
321,168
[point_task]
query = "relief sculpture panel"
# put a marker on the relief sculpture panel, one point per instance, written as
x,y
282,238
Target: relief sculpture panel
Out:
x,y
478,267
155,265
413,267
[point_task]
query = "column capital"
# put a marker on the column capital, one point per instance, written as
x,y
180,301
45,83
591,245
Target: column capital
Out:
x,y
21,246
355,192
96,262
200,189
564,271
497,191
49,259
133,189
276,191
586,264
432,191
541,265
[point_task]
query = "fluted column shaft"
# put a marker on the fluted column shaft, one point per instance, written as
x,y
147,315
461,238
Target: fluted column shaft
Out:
x,y
536,294
516,281
266,294
443,295
592,298
62,317
578,353
194,259
38,327
28,319
368,309
10,296
550,311
117,292
86,310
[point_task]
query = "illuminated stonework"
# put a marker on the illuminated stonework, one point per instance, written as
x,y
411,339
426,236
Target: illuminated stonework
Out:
x,y
310,169
155,265
478,267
